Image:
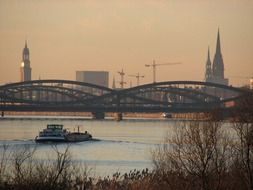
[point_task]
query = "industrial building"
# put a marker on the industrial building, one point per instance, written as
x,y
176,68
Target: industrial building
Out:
x,y
100,78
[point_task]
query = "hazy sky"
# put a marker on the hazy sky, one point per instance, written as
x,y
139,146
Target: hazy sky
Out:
x,y
69,35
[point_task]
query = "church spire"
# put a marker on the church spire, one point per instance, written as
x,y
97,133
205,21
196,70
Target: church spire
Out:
x,y
25,69
25,55
215,71
218,49
218,65
208,55
208,74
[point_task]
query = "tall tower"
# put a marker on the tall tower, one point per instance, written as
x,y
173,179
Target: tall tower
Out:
x,y
218,65
25,69
208,74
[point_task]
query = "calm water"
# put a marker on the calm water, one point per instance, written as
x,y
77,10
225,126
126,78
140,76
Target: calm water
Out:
x,y
119,146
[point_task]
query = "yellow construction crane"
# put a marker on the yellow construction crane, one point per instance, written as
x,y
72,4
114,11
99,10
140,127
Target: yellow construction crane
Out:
x,y
138,76
160,64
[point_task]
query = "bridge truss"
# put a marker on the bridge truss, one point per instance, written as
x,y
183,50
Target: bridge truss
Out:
x,y
73,96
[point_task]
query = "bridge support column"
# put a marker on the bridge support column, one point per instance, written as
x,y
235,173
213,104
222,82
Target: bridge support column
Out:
x,y
118,116
2,114
98,115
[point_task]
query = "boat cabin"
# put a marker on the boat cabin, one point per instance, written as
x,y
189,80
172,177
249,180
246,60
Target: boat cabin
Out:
x,y
55,127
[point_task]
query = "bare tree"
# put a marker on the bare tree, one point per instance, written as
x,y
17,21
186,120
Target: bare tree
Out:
x,y
55,172
22,163
243,126
198,152
4,157
26,171
61,168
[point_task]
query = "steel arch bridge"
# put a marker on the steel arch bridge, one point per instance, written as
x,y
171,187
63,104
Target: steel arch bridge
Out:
x,y
73,96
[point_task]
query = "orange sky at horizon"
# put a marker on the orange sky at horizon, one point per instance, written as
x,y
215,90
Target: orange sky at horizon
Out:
x,y
66,36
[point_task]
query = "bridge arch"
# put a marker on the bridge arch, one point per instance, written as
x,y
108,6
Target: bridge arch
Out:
x,y
51,91
184,92
69,95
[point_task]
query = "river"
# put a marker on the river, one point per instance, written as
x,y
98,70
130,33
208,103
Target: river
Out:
x,y
118,146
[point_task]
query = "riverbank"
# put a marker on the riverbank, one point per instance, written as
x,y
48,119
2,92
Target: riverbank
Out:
x,y
88,115
81,114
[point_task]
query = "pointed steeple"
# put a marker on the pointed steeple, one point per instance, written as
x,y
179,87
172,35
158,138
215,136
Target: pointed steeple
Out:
x,y
25,69
25,55
208,55
208,74
218,64
218,49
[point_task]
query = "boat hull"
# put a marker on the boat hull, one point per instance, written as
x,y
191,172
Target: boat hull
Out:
x,y
50,139
67,138
78,137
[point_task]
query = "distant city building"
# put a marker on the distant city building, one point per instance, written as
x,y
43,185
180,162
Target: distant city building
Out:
x,y
100,78
25,69
215,73
251,83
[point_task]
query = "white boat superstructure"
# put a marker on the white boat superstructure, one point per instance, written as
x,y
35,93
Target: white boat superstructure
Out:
x,y
53,132
56,133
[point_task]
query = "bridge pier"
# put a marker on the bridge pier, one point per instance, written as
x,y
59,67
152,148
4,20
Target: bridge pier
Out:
x,y
118,116
98,115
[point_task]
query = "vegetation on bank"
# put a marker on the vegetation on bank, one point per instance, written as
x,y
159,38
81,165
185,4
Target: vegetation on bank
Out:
x,y
198,155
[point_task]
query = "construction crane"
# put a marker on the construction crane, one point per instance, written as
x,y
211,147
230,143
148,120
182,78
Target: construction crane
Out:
x,y
160,64
138,76
122,82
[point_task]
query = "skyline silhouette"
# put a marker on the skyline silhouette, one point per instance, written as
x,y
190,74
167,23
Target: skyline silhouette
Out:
x,y
93,35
